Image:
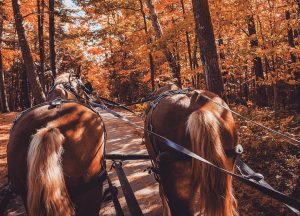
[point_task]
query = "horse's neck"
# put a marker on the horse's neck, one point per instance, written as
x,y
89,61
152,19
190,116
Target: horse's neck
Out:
x,y
166,88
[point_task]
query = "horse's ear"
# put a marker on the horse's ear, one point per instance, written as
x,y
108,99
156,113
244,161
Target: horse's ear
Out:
x,y
78,71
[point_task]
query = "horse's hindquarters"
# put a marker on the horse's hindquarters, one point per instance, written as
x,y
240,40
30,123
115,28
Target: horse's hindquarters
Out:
x,y
89,201
176,185
205,128
83,145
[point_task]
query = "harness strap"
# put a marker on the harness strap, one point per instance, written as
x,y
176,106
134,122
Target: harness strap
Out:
x,y
163,95
289,138
54,86
247,172
293,203
268,190
230,153
114,196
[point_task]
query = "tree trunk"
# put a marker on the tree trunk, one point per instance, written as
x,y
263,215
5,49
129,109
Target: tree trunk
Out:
x,y
291,42
37,89
152,69
206,40
195,65
40,16
3,97
151,61
168,54
187,36
52,37
261,96
290,35
11,94
24,89
297,92
195,60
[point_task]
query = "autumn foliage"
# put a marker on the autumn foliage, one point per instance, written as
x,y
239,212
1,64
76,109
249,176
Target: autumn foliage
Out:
x,y
112,41
124,47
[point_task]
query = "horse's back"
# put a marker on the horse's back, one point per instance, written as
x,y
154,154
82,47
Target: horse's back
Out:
x,y
84,141
170,116
168,119
206,128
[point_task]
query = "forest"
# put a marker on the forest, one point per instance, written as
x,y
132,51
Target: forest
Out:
x,y
124,47
246,51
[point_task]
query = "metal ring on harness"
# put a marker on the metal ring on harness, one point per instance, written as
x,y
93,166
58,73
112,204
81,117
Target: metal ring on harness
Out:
x,y
237,150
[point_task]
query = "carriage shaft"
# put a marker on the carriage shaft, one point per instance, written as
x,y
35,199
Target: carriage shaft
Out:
x,y
130,198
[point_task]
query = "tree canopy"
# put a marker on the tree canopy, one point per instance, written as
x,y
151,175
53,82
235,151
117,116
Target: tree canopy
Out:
x,y
122,53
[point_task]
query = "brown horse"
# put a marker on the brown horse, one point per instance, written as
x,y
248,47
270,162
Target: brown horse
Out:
x,y
205,128
66,86
55,157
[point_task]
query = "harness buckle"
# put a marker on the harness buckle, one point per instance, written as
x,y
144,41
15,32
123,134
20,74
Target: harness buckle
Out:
x,y
151,170
56,102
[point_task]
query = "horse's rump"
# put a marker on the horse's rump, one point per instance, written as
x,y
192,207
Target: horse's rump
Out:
x,y
82,143
181,118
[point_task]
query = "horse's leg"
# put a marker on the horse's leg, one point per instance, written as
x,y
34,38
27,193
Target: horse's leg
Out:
x,y
24,199
88,202
177,187
166,209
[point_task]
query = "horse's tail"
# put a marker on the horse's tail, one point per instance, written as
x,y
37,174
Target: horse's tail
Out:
x,y
216,197
47,193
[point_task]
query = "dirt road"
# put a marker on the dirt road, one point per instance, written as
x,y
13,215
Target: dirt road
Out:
x,y
125,139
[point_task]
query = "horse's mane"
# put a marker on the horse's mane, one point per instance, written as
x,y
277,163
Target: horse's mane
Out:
x,y
166,87
64,77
